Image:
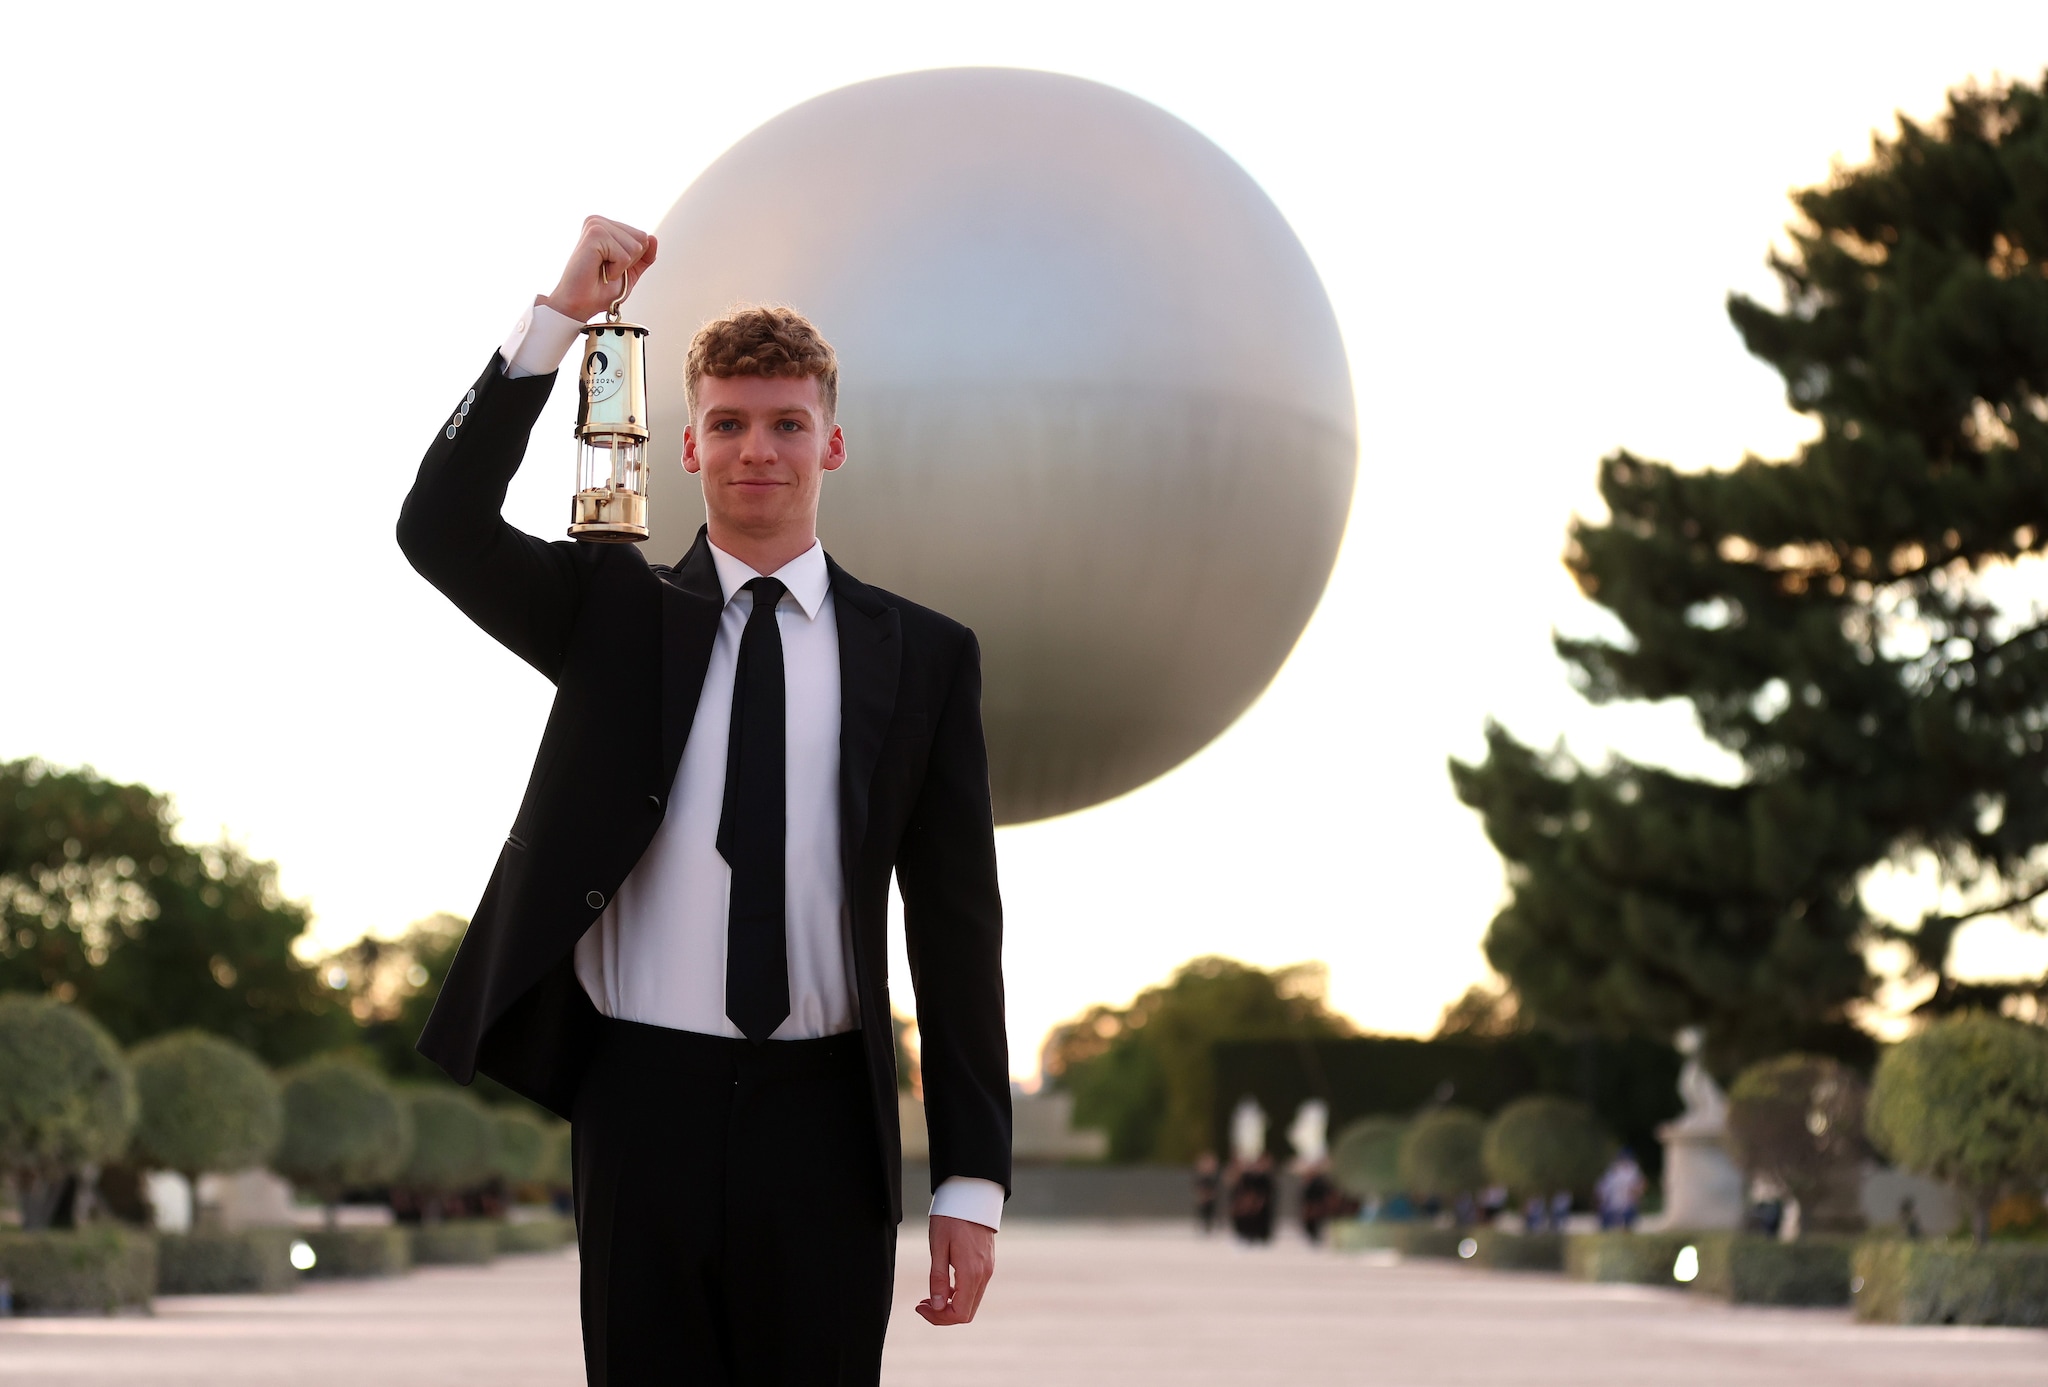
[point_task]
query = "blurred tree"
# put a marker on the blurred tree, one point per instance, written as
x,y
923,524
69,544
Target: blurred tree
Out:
x,y
454,1145
1441,1154
101,904
1486,1011
1798,1119
521,1146
343,1126
1143,1073
1542,1146
1966,1101
392,985
1831,618
67,1100
207,1105
1366,1157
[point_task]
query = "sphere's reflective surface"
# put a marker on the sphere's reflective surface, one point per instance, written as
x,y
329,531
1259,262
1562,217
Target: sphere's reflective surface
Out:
x,y
1095,401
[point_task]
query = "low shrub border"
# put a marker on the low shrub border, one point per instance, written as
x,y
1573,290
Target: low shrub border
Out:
x,y
1360,1235
535,1235
348,1252
465,1242
1420,1239
61,1271
1500,1250
1750,1269
217,1261
1643,1259
1899,1282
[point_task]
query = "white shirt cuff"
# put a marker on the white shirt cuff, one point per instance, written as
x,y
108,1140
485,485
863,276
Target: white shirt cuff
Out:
x,y
964,1196
539,341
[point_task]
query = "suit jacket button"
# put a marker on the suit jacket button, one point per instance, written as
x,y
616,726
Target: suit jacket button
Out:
x,y
594,899
654,803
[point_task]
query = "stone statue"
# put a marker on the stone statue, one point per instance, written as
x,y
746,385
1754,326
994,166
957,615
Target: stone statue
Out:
x,y
1706,1107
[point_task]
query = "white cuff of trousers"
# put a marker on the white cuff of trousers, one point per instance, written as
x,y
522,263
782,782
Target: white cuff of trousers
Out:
x,y
539,341
963,1196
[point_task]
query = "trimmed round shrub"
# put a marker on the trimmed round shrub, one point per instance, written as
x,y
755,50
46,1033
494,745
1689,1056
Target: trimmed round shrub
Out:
x,y
454,1142
1798,1119
1966,1102
343,1126
557,1163
67,1098
1539,1146
1440,1154
522,1142
1365,1160
207,1105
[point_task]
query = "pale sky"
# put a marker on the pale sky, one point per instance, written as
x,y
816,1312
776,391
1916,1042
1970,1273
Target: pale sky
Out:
x,y
254,252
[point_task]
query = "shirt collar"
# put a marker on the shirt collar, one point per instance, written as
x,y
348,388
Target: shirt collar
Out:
x,y
804,576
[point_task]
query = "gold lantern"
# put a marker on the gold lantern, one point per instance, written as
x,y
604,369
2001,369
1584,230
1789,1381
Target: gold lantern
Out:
x,y
611,432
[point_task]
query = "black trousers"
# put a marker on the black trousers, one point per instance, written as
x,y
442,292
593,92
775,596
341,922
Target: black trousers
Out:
x,y
730,1212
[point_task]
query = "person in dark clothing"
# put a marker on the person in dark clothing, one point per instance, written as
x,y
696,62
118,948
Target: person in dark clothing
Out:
x,y
1208,1188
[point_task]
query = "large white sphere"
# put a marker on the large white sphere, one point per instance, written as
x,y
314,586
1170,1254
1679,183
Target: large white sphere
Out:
x,y
1095,401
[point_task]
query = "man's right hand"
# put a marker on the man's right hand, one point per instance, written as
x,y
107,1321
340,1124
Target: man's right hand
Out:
x,y
590,281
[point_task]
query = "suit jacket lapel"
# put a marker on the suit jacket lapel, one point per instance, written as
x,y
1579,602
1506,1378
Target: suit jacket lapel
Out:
x,y
870,657
691,602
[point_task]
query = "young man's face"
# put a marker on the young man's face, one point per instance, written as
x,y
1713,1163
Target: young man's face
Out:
x,y
762,446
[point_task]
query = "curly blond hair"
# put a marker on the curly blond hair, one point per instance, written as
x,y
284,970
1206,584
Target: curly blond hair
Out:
x,y
763,340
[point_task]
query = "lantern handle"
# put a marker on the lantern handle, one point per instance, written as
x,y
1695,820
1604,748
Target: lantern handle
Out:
x,y
625,287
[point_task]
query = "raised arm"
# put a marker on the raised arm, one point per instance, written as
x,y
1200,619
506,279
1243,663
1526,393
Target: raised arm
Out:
x,y
521,589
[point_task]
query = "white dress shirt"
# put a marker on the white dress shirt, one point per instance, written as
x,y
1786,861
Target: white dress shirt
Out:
x,y
657,953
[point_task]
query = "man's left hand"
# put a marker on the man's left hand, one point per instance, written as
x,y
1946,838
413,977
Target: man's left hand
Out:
x,y
963,1259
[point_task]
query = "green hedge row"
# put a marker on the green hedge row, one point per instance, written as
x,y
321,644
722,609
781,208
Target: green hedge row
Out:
x,y
455,1242
219,1262
1358,1235
1951,1283
1420,1239
1503,1251
1750,1269
536,1235
1643,1259
63,1272
352,1252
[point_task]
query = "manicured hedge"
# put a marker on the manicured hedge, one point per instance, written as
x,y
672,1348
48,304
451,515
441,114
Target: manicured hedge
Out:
x,y
346,1252
1644,1259
455,1242
1421,1239
1749,1269
1504,1251
1900,1282
1359,1235
56,1272
536,1235
219,1262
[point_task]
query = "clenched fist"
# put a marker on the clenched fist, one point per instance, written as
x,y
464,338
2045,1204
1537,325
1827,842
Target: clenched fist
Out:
x,y
590,281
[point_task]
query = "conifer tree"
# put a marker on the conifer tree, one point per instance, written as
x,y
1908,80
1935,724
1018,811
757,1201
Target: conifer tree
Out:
x,y
1831,618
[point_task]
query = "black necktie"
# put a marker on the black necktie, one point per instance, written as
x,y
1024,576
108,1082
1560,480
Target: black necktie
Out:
x,y
752,828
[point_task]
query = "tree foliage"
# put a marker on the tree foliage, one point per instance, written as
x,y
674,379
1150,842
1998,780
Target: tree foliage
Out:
x,y
1832,620
1143,1073
1441,1154
521,1145
1544,1145
207,1105
1966,1101
101,904
392,985
343,1126
67,1099
454,1144
1365,1159
1798,1119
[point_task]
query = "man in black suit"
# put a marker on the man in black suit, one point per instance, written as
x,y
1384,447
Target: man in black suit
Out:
x,y
683,946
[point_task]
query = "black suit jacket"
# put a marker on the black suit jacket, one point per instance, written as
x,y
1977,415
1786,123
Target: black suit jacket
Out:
x,y
626,645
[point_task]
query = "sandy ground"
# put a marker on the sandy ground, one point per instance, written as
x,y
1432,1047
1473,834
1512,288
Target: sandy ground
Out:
x,y
1072,1305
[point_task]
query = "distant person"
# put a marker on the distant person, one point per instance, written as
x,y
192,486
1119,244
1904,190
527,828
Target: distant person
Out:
x,y
1319,1200
1208,1190
1909,1219
1535,1214
1620,1192
1560,1210
1251,1201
